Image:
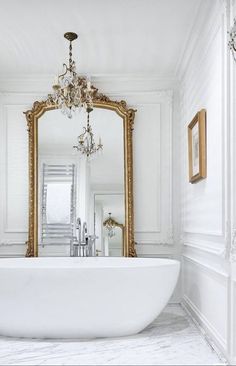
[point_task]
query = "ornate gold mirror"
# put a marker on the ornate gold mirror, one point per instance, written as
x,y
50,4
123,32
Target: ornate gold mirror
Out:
x,y
68,189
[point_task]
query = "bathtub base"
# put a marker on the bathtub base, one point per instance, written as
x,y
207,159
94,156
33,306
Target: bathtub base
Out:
x,y
83,297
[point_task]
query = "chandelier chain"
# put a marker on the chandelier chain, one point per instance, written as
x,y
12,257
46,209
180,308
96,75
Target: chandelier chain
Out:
x,y
70,56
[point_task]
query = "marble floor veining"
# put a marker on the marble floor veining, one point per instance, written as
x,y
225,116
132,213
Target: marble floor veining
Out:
x,y
172,339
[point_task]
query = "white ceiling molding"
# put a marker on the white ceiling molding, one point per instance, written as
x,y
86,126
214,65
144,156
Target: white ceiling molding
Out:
x,y
42,84
207,9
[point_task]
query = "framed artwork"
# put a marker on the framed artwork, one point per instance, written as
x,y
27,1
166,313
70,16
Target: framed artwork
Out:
x,y
197,147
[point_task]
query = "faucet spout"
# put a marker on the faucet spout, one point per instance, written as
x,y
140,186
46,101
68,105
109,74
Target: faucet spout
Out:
x,y
84,232
84,245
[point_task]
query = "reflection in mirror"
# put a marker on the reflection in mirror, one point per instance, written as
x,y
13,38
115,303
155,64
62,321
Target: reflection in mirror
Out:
x,y
109,219
74,189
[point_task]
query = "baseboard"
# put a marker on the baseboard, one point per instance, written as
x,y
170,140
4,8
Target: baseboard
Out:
x,y
212,337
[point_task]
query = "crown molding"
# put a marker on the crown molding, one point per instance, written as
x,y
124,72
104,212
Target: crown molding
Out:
x,y
42,84
94,76
208,18
185,47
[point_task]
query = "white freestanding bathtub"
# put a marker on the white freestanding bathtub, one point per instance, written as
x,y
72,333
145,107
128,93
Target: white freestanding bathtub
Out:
x,y
83,297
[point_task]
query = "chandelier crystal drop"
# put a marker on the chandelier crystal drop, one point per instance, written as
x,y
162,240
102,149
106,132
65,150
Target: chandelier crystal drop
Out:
x,y
85,142
70,91
110,225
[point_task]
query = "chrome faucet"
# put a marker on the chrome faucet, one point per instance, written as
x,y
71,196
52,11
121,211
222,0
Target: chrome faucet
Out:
x,y
82,246
78,227
85,230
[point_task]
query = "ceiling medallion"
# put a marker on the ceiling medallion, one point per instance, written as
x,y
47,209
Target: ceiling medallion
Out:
x,y
69,90
86,144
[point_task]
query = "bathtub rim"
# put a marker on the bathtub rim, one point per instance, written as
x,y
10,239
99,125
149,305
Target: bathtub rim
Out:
x,y
86,262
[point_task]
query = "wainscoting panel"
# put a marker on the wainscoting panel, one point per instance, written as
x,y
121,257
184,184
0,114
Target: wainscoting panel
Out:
x,y
205,296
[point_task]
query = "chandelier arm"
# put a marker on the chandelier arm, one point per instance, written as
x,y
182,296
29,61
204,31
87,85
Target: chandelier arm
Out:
x,y
82,134
64,73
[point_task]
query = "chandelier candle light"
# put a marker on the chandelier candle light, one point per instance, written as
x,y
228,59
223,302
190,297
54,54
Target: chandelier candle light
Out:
x,y
86,144
69,90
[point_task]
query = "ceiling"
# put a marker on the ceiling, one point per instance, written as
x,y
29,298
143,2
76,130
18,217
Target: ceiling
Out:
x,y
115,36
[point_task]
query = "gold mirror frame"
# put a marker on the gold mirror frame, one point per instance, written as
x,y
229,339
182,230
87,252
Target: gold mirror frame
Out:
x,y
116,224
99,101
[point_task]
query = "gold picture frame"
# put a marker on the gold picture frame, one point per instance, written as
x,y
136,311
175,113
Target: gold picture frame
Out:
x,y
197,147
99,101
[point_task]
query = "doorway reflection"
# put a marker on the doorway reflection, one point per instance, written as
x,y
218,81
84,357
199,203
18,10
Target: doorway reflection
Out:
x,y
109,219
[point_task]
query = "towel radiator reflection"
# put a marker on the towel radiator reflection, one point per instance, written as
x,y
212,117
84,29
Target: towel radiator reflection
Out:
x,y
58,223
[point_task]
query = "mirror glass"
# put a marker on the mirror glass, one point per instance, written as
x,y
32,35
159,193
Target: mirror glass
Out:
x,y
76,193
109,222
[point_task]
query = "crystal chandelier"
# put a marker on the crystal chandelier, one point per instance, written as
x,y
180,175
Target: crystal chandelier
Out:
x,y
69,90
110,225
232,39
85,142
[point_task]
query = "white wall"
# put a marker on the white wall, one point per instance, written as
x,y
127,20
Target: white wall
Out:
x,y
14,174
232,285
206,206
232,248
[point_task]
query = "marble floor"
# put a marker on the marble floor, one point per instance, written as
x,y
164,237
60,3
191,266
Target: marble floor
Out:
x,y
172,339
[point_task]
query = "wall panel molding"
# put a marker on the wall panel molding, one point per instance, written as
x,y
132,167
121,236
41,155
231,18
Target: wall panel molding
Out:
x,y
147,177
200,90
205,247
211,271
16,169
162,233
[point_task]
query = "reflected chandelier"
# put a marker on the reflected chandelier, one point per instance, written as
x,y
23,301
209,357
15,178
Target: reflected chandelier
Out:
x,y
232,40
69,90
110,225
86,144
